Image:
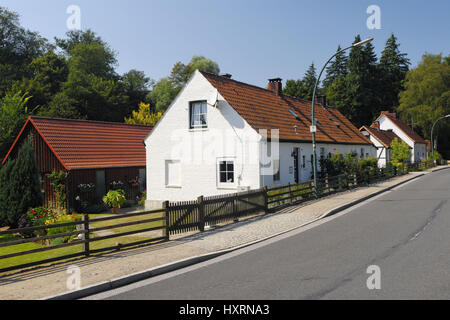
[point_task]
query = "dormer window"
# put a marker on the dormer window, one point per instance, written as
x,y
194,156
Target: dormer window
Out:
x,y
198,113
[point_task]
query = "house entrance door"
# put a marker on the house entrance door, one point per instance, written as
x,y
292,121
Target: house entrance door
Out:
x,y
296,165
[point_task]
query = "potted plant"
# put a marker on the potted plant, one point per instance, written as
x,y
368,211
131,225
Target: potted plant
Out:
x,y
115,199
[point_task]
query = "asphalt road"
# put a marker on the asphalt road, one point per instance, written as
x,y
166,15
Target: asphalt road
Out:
x,y
405,232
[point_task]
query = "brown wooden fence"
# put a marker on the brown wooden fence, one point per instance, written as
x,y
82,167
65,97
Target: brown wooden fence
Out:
x,y
185,216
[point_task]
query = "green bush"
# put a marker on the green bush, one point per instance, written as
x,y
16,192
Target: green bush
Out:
x,y
115,198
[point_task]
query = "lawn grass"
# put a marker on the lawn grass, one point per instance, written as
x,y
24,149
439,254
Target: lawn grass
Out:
x,y
4,263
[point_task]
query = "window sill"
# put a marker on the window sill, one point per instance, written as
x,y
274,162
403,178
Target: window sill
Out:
x,y
174,187
227,188
198,129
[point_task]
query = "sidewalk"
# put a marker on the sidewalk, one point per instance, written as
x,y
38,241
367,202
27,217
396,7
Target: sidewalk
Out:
x,y
51,280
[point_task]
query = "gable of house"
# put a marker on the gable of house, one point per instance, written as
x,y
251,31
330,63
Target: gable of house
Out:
x,y
401,126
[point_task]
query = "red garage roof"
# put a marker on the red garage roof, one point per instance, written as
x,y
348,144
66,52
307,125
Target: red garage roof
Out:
x,y
264,109
91,144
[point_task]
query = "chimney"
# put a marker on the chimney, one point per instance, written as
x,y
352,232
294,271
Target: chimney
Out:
x,y
276,86
376,125
226,75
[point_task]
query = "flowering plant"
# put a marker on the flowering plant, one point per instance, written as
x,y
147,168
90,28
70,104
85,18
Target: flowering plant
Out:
x,y
58,181
116,185
86,187
135,181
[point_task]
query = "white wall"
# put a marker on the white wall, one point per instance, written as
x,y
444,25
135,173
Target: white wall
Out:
x,y
417,148
198,150
305,174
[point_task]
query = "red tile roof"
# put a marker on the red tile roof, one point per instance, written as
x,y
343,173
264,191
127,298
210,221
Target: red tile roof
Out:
x,y
383,136
264,109
404,127
92,144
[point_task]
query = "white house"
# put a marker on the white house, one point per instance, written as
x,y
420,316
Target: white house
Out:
x,y
222,136
382,140
387,127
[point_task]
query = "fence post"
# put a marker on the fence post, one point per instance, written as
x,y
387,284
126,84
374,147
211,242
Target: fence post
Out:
x,y
235,211
290,192
201,214
85,227
266,200
166,221
327,185
339,182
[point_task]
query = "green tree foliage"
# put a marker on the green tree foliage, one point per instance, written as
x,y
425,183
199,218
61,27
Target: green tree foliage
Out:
x,y
144,116
400,151
5,178
162,94
181,73
13,113
18,48
23,188
303,89
48,74
392,69
136,86
337,69
427,97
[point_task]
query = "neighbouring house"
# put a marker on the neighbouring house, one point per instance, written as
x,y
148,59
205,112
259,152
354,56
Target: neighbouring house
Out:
x,y
91,153
382,140
387,125
222,136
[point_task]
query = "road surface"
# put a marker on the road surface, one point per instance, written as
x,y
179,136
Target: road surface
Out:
x,y
404,232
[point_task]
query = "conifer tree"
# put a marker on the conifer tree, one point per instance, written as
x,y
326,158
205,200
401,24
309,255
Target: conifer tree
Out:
x,y
336,69
24,190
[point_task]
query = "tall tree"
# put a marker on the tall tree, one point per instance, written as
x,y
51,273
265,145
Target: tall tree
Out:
x,y
18,48
136,85
427,97
360,85
24,185
336,69
13,112
309,81
181,73
393,67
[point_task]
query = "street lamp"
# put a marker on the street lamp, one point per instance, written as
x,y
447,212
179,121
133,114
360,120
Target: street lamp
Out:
x,y
313,128
432,128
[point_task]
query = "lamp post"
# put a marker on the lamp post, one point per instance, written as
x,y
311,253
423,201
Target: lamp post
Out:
x,y
432,128
313,128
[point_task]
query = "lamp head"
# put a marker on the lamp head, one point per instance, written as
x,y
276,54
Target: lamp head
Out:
x,y
362,42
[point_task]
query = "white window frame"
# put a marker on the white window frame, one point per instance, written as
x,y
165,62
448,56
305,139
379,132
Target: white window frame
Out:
x,y
226,184
203,106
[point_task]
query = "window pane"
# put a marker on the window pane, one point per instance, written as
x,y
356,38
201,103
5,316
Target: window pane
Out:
x,y
203,108
223,166
223,177
202,120
230,177
230,166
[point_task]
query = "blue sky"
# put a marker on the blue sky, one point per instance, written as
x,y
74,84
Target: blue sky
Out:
x,y
252,39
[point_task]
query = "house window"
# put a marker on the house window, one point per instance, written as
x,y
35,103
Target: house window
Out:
x,y
173,173
304,161
198,113
362,153
276,170
226,171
